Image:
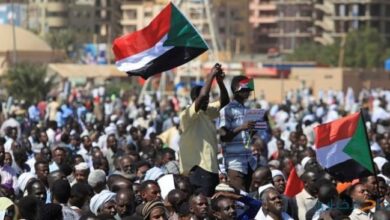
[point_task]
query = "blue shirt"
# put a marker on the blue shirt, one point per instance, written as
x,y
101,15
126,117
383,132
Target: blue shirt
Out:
x,y
231,117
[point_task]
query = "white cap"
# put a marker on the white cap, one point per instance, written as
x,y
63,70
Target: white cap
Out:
x,y
265,187
277,173
81,166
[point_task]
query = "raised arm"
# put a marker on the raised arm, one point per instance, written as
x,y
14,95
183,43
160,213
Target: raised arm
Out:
x,y
203,97
224,95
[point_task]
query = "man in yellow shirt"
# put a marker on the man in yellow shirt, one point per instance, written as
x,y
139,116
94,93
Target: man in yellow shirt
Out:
x,y
198,141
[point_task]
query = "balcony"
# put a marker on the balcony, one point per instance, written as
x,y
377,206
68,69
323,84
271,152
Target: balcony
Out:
x,y
262,20
56,7
325,25
262,7
56,22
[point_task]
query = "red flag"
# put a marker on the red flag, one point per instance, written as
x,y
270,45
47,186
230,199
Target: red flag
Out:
x,y
294,184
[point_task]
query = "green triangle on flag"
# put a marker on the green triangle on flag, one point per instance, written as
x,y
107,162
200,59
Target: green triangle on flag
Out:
x,y
251,84
358,148
182,32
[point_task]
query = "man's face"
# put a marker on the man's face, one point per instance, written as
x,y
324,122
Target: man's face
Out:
x,y
87,143
152,192
360,194
109,208
46,154
81,175
111,142
371,186
302,141
142,171
227,210
279,183
244,94
59,156
199,207
43,137
260,178
274,203
123,204
310,185
42,171
126,165
39,191
158,214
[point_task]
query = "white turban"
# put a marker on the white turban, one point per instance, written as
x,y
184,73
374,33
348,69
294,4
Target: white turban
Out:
x,y
304,161
380,161
81,166
277,173
23,179
154,173
100,199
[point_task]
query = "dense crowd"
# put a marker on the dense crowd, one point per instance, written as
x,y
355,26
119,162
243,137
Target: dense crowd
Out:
x,y
85,154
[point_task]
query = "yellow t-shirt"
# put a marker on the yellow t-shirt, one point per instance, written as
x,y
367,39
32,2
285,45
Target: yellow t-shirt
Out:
x,y
198,141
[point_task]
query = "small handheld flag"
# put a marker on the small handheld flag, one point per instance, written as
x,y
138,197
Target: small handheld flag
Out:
x,y
170,40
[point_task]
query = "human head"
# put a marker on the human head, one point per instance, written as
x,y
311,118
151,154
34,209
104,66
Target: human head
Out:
x,y
359,193
81,172
272,202
309,178
2,154
154,210
126,164
117,182
8,159
141,168
223,208
53,176
59,155
24,179
239,89
97,180
30,207
183,184
261,176
7,209
87,142
103,203
327,192
199,206
112,143
46,154
42,171
279,180
150,191
61,191
80,194
37,189
124,203
20,155
371,184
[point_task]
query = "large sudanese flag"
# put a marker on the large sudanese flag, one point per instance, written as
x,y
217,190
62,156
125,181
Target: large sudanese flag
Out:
x,y
343,149
170,40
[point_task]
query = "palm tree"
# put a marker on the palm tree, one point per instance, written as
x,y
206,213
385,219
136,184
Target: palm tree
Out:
x,y
28,81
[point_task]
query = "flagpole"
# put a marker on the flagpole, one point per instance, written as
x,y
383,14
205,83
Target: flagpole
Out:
x,y
371,157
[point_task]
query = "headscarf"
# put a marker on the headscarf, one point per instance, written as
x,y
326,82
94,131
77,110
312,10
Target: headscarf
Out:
x,y
23,179
100,199
149,206
5,203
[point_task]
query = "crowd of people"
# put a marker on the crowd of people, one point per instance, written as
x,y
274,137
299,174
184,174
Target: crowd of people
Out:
x,y
90,155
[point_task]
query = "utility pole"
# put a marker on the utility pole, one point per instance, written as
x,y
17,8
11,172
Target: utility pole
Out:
x,y
14,57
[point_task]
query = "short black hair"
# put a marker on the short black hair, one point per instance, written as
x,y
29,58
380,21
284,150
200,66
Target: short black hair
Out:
x,y
215,203
40,162
30,207
61,190
195,91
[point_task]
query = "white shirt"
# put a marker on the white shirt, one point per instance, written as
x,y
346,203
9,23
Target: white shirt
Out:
x,y
262,216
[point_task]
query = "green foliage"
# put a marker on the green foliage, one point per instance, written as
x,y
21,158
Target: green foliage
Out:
x,y
364,48
28,81
62,39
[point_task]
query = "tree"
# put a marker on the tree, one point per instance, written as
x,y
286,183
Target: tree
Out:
x,y
364,48
28,81
61,40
